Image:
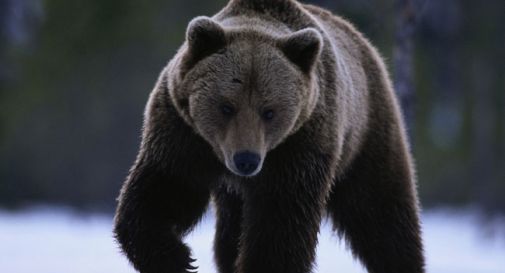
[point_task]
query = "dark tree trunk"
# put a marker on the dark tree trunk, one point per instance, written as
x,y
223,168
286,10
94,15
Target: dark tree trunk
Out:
x,y
484,160
3,39
403,51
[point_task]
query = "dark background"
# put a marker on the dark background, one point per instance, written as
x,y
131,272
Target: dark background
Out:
x,y
75,76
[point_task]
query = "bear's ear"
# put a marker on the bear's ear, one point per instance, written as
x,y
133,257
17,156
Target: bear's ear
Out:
x,y
303,48
204,36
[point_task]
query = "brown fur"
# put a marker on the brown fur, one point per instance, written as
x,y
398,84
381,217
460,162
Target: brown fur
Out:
x,y
336,142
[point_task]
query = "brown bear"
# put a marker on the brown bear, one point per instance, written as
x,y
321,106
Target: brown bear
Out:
x,y
283,114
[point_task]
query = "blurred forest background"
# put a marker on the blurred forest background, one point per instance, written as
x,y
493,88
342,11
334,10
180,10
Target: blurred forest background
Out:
x,y
75,76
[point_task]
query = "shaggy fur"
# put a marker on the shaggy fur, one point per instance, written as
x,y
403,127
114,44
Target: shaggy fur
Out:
x,y
334,143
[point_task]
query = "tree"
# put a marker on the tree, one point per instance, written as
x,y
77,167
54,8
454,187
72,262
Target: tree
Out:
x,y
405,24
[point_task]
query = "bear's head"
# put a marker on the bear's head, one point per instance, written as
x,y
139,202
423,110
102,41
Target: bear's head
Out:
x,y
244,91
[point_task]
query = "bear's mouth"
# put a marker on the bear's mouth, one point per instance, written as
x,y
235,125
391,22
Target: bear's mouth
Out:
x,y
236,172
245,163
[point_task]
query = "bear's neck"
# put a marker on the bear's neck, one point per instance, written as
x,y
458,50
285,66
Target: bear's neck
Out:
x,y
263,4
288,12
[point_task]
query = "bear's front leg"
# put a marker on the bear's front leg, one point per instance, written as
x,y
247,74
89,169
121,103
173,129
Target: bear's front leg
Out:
x,y
166,192
282,212
374,205
156,209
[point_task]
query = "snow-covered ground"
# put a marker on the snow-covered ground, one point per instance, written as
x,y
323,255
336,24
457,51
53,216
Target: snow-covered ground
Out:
x,y
58,241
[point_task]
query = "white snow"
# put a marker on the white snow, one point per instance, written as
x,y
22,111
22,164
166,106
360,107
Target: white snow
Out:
x,y
53,240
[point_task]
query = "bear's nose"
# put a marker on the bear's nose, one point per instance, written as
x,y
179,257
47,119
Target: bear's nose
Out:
x,y
246,162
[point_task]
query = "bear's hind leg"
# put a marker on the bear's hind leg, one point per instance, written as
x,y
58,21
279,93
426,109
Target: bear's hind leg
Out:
x,y
283,208
375,208
228,222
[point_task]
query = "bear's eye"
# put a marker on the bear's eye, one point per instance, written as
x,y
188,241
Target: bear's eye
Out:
x,y
227,110
268,115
